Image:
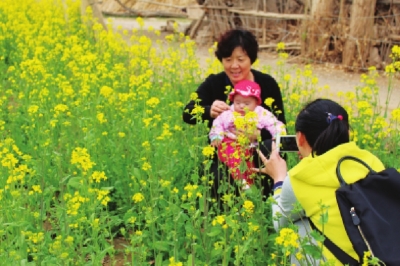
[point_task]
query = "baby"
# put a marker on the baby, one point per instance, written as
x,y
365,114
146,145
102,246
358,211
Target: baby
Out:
x,y
224,133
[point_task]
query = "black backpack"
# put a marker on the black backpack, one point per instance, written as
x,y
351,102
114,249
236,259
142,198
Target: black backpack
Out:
x,y
370,210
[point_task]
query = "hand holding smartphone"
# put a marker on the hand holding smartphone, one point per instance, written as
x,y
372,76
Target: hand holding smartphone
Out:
x,y
286,143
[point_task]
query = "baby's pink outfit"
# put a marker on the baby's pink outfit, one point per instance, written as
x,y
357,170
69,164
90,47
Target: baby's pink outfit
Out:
x,y
223,128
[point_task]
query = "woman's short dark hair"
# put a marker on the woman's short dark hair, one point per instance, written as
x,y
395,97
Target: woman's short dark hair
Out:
x,y
237,38
325,125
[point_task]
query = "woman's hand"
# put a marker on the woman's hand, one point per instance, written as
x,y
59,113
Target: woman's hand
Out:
x,y
215,143
275,166
217,108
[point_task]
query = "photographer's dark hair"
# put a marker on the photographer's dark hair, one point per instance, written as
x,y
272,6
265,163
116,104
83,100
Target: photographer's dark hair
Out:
x,y
325,125
237,38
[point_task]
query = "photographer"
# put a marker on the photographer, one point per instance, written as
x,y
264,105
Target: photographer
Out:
x,y
322,136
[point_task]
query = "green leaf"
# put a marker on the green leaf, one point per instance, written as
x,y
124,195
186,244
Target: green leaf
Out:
x,y
136,173
216,252
65,179
162,245
323,219
74,182
214,232
180,216
317,236
313,250
189,260
201,205
186,206
159,260
189,228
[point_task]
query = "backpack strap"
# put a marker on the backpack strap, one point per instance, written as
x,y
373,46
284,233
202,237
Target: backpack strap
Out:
x,y
342,256
352,158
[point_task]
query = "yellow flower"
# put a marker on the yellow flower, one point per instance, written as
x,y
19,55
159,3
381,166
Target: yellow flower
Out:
x,y
147,121
95,223
172,262
138,197
253,227
314,80
101,118
208,151
53,122
280,47
366,257
132,220
396,115
146,144
350,95
228,89
106,91
197,110
35,188
395,52
299,256
363,104
294,97
180,104
60,108
287,77
69,240
282,55
248,206
268,102
140,21
220,219
33,109
98,176
146,166
287,238
81,158
9,161
193,96
153,102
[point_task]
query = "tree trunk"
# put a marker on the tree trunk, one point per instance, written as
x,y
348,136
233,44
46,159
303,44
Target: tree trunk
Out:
x,y
357,46
318,33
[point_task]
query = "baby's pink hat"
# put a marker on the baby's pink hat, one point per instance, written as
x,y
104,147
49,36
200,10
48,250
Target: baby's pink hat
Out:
x,y
246,88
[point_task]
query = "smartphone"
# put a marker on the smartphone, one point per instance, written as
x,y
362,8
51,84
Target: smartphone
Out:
x,y
286,143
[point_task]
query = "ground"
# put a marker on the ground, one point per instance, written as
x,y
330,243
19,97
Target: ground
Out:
x,y
331,75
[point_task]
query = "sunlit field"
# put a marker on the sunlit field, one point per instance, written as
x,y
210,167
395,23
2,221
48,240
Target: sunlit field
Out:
x,y
93,148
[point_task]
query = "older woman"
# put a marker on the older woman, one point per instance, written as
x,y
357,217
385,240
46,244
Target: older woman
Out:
x,y
237,50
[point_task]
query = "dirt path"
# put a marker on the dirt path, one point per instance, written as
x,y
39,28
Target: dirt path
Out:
x,y
336,79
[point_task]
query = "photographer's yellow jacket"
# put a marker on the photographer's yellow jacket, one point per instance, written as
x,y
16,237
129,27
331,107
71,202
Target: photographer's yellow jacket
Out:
x,y
314,182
